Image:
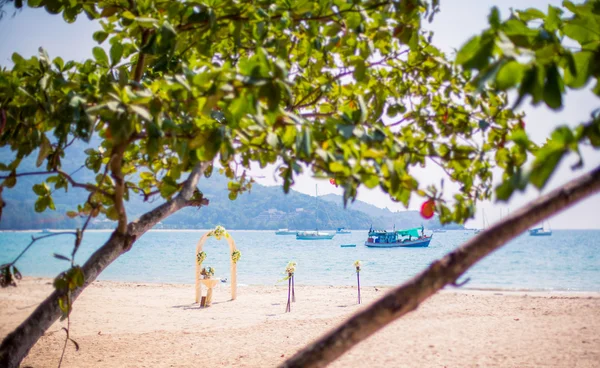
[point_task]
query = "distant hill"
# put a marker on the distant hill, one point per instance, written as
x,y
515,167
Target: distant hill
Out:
x,y
262,208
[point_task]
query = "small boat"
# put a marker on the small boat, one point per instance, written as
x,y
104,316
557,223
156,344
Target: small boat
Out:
x,y
540,231
439,231
313,235
477,231
398,238
45,231
285,232
342,230
348,245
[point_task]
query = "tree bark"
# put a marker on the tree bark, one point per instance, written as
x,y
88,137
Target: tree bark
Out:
x,y
18,343
407,297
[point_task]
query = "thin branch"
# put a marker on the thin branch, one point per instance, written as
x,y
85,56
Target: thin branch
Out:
x,y
139,66
33,240
407,297
75,184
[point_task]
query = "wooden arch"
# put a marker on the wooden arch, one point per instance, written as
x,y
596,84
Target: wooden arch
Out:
x,y
233,267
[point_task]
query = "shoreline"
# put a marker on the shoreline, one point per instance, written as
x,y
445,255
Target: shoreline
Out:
x,y
515,291
129,324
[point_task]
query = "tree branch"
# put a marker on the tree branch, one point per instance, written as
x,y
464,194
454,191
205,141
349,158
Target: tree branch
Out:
x,y
74,184
407,297
18,343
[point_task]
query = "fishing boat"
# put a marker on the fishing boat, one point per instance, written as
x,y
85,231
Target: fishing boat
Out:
x,y
285,232
398,238
342,230
541,231
314,235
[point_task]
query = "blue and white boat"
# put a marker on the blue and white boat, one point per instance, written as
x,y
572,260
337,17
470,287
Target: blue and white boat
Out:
x,y
540,231
286,232
342,230
398,238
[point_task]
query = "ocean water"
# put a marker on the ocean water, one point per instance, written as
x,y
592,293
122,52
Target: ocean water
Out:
x,y
568,260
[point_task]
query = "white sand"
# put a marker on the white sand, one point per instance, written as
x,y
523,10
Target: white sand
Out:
x,y
156,325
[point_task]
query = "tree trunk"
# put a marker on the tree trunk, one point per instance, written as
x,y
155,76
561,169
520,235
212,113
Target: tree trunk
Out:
x,y
18,343
405,298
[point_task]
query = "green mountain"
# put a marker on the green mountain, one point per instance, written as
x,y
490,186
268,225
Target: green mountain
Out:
x,y
264,207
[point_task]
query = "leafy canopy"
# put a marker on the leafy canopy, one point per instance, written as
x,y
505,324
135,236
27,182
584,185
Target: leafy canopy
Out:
x,y
351,90
533,52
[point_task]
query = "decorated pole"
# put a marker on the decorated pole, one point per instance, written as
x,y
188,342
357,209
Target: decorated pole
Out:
x,y
235,257
357,264
288,307
293,291
290,269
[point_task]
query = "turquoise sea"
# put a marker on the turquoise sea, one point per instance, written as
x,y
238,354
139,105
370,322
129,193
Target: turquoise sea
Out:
x,y
568,260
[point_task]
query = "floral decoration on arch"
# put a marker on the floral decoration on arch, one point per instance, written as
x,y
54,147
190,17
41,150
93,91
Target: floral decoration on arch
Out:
x,y
219,232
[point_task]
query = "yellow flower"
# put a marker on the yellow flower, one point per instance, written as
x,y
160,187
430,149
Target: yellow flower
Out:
x,y
236,255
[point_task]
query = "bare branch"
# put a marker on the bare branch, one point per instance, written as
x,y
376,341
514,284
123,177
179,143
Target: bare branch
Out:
x,y
407,297
33,240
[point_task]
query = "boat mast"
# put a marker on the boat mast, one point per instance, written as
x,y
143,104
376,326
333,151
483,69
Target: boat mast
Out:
x,y
483,220
317,208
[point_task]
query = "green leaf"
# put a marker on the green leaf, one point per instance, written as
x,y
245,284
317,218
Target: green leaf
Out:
x,y
494,18
544,166
45,150
112,214
360,70
109,11
531,14
116,52
142,112
336,167
100,55
72,214
475,54
41,189
509,75
100,36
41,204
146,22
272,140
10,181
553,88
577,73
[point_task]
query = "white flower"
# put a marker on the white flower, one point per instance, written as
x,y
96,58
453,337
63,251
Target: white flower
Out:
x,y
219,232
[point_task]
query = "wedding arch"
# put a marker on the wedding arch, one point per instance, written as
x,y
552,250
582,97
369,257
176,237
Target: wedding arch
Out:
x,y
219,233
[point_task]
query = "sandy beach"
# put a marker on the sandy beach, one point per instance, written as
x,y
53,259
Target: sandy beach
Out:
x,y
121,324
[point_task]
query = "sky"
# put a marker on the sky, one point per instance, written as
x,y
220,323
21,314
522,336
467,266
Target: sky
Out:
x,y
456,23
